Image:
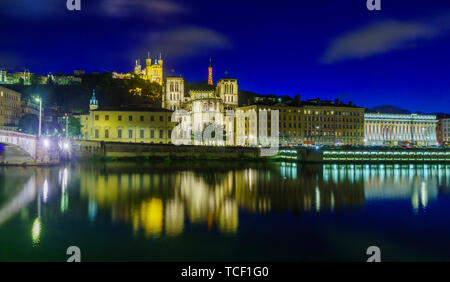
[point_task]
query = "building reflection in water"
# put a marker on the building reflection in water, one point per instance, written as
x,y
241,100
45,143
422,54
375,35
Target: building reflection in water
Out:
x,y
160,202
418,184
164,200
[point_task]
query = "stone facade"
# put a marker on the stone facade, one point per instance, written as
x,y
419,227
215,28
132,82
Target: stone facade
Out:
x,y
443,131
207,104
395,129
312,122
130,124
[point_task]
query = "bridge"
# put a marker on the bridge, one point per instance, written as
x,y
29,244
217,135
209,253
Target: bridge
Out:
x,y
38,150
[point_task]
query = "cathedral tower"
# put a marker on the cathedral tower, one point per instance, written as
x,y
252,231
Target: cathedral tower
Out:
x,y
148,62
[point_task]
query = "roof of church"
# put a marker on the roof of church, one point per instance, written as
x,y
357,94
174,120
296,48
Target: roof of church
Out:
x,y
203,87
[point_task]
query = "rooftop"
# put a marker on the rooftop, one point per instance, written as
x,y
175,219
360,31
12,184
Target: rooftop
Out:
x,y
282,102
203,87
131,108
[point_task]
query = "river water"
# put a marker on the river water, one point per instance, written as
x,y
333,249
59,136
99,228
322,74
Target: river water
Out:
x,y
225,211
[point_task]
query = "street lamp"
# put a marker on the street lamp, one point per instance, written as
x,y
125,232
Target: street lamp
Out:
x,y
39,99
67,125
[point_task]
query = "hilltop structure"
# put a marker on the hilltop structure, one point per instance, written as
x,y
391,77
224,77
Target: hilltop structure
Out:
x,y
152,72
27,78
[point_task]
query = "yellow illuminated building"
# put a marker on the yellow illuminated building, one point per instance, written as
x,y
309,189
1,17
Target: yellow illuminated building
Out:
x,y
151,72
312,122
127,124
10,108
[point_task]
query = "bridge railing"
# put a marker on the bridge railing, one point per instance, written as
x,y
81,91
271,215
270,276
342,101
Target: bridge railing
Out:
x,y
16,134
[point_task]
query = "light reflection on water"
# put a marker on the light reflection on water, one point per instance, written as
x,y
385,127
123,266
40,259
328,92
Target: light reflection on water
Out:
x,y
162,200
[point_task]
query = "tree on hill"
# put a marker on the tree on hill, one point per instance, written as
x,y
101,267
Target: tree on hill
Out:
x,y
109,91
388,109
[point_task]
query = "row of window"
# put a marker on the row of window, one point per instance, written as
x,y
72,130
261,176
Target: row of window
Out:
x,y
321,112
309,125
130,118
312,133
174,87
9,96
132,133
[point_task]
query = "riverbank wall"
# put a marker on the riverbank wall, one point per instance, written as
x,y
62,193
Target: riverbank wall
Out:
x,y
113,150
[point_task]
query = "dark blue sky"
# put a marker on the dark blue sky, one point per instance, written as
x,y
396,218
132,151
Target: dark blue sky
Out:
x,y
316,48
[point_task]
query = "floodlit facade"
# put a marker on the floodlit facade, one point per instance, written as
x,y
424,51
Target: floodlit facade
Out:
x,y
25,78
127,124
15,78
443,131
311,122
396,129
10,108
206,104
151,72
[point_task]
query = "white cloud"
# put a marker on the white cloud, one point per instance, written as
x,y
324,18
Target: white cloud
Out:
x,y
186,41
383,37
152,8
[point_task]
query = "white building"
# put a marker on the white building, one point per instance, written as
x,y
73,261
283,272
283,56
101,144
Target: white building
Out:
x,y
207,104
445,131
395,129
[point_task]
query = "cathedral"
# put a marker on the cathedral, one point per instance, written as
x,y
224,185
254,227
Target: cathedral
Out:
x,y
152,71
207,104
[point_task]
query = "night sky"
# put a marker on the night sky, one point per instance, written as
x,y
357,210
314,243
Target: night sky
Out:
x,y
315,48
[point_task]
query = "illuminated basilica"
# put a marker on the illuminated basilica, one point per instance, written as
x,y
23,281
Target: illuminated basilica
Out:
x,y
152,71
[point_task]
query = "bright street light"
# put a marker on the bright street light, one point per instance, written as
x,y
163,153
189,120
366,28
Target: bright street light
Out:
x,y
46,143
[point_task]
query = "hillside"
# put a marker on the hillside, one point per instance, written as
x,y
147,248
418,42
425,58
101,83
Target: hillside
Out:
x,y
109,92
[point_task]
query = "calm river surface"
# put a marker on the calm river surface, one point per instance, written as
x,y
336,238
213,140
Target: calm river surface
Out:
x,y
225,211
